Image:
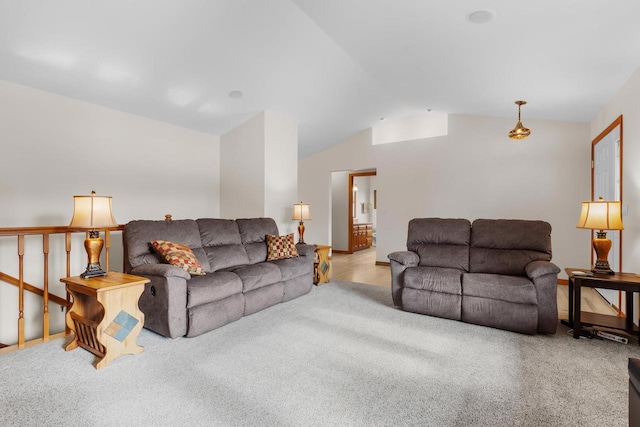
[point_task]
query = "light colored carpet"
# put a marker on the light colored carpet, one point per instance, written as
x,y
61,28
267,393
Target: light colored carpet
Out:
x,y
340,356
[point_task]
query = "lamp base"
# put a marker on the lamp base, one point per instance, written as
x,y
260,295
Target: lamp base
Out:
x,y
301,232
601,246
93,244
93,270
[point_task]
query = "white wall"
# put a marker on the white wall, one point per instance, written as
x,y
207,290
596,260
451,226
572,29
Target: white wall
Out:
x,y
474,172
281,170
242,171
54,148
260,169
314,180
340,210
626,103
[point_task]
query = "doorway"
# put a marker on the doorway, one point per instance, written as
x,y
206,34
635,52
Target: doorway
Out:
x,y
349,207
363,205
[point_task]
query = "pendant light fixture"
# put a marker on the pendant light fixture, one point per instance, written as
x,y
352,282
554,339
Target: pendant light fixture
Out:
x,y
519,132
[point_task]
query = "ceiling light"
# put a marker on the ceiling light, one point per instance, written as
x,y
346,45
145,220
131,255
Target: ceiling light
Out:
x,y
519,132
481,16
236,94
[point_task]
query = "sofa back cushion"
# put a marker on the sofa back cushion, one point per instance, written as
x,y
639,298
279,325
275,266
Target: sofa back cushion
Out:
x,y
221,243
253,234
506,246
139,234
440,242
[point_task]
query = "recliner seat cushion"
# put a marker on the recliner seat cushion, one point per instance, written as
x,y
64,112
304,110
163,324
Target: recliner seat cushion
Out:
x,y
212,287
255,276
440,242
434,279
519,290
293,267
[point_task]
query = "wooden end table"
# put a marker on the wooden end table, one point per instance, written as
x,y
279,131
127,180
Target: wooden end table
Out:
x,y
105,317
321,265
627,282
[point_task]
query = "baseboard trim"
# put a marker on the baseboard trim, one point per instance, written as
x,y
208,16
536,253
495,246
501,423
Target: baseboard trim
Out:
x,y
336,251
563,282
383,263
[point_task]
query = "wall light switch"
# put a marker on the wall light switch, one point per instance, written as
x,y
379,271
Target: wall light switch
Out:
x,y
625,209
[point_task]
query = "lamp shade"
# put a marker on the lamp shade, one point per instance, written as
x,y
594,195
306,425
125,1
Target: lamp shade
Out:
x,y
301,212
92,212
601,215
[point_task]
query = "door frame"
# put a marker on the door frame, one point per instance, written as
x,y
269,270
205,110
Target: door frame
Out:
x,y
350,213
602,135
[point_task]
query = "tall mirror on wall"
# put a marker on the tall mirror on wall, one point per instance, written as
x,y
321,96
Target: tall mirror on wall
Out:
x,y
606,182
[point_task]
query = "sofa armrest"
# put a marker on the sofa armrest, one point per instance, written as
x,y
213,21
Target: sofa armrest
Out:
x,y
406,258
537,269
306,250
162,270
544,275
400,261
164,299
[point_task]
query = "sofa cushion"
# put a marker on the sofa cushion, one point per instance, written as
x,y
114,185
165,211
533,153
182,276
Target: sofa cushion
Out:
x,y
434,279
178,255
440,242
293,267
253,233
513,289
506,246
280,247
255,276
138,235
221,243
212,287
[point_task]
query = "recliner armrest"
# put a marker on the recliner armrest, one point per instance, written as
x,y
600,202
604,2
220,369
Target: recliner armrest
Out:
x,y
537,269
406,258
306,250
162,270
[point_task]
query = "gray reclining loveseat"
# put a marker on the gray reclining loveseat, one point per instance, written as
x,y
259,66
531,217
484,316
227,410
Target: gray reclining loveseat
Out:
x,y
238,281
495,273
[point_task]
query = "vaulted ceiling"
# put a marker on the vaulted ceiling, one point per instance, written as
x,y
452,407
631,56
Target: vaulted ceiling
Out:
x,y
334,66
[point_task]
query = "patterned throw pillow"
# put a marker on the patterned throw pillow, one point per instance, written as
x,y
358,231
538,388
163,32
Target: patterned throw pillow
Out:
x,y
280,247
179,255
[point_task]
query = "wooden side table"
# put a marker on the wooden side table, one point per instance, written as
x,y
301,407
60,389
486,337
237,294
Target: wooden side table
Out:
x,y
627,282
321,265
105,317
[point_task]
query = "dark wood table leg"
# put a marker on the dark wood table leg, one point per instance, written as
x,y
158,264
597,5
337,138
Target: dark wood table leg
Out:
x,y
571,297
629,310
577,297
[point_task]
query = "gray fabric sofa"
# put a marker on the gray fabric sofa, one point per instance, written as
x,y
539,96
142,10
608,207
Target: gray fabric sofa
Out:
x,y
494,272
238,280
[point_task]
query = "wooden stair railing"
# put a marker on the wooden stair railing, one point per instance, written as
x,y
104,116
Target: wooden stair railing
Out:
x,y
19,282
